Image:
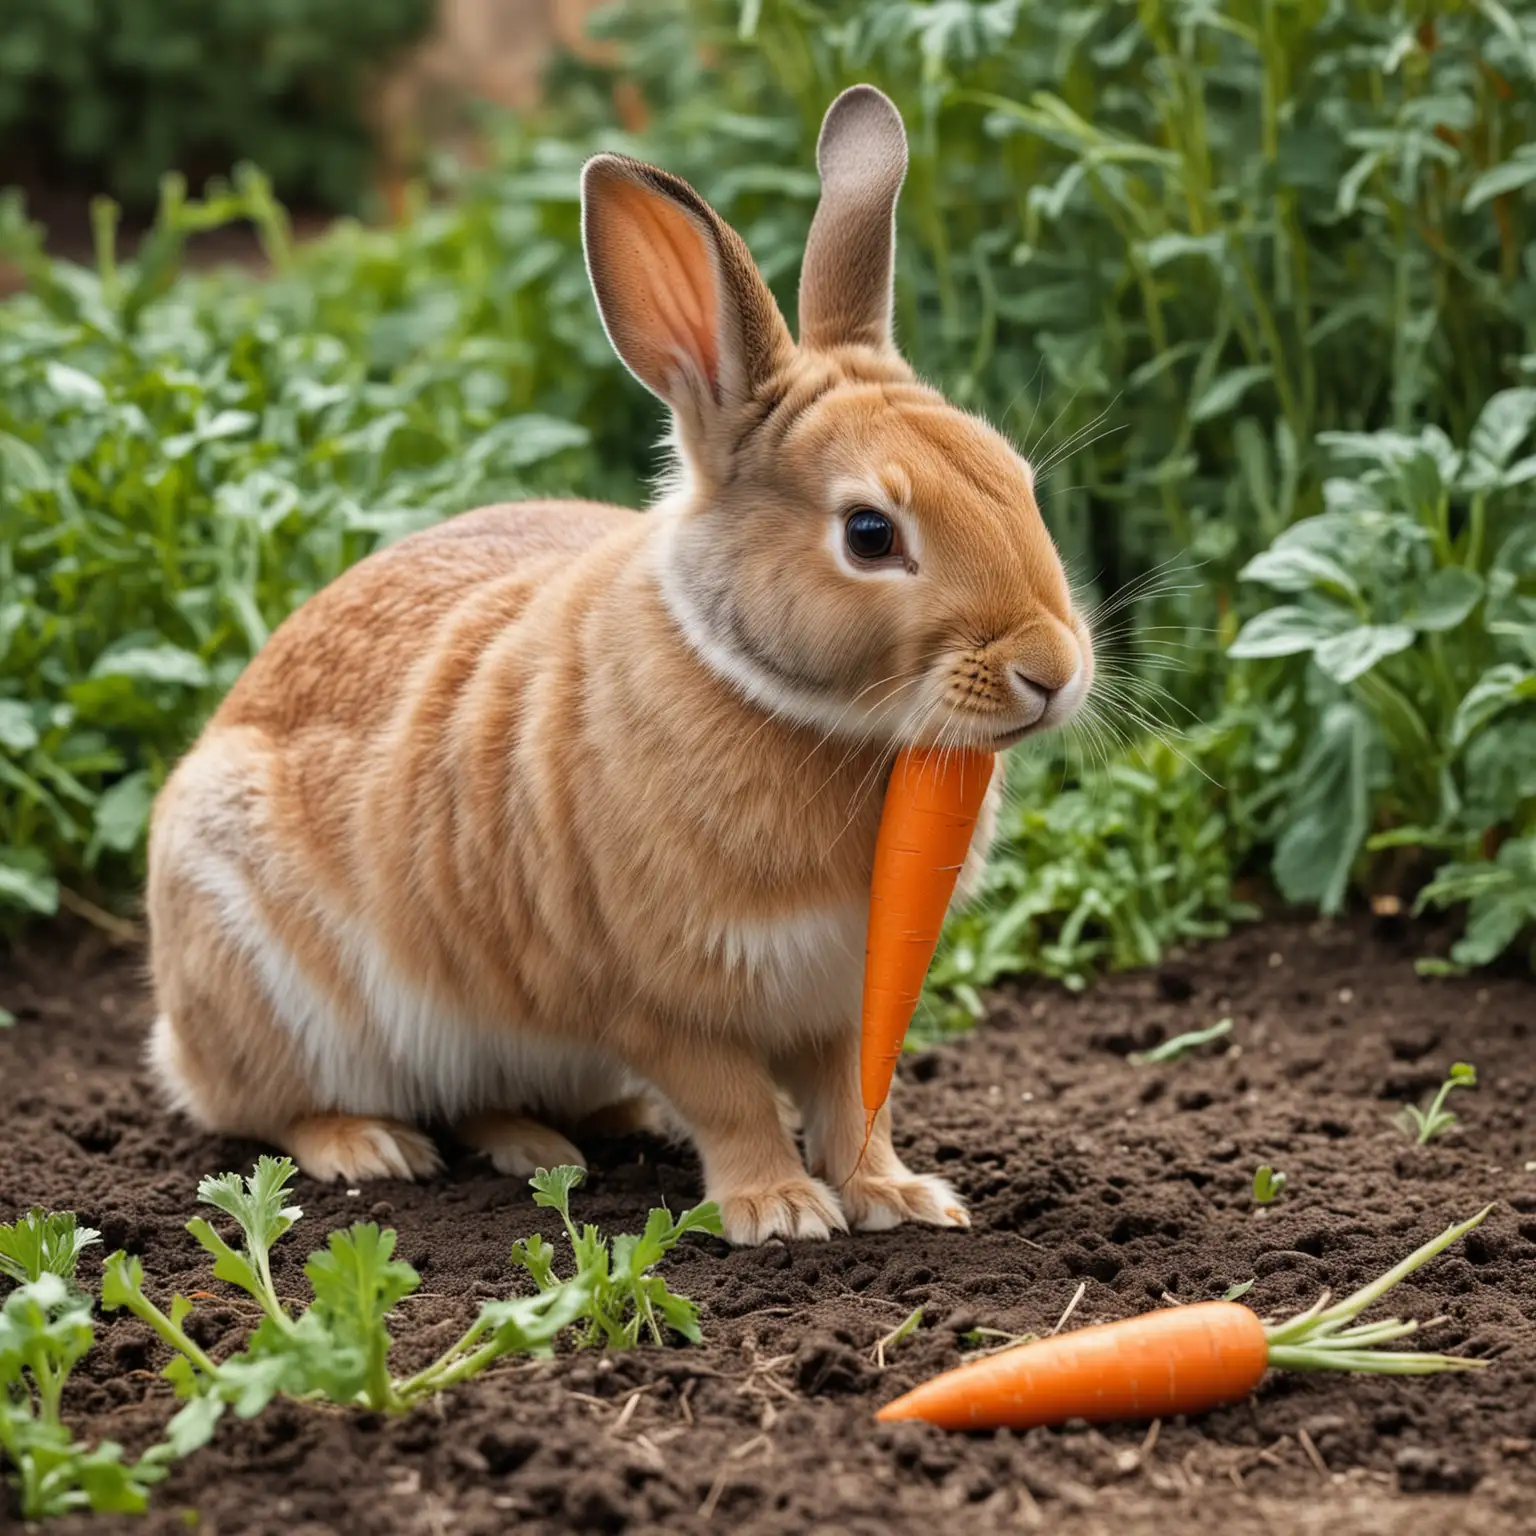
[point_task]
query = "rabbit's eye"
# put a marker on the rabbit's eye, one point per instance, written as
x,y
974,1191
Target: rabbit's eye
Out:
x,y
871,535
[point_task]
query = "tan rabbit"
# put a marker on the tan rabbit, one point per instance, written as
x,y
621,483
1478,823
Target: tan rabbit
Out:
x,y
557,807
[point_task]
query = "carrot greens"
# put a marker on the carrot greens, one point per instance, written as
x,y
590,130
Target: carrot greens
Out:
x,y
335,1349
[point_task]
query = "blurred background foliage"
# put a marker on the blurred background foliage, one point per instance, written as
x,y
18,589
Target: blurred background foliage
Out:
x,y
114,93
1255,280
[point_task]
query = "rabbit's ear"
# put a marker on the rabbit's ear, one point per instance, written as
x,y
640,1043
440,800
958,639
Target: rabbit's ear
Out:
x,y
680,296
845,284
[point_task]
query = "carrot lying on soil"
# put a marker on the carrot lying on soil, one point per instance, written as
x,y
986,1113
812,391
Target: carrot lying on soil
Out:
x,y
1185,1359
931,806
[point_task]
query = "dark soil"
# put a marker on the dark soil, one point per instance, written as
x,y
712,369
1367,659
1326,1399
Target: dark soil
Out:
x,y
1080,1168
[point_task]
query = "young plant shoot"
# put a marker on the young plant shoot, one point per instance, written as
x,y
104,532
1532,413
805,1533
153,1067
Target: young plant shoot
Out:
x,y
1181,1360
1434,1119
337,1349
1268,1185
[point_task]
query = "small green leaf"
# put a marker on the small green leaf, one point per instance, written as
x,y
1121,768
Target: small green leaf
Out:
x,y
22,885
552,1187
256,1202
122,1280
1287,631
1445,600
1293,567
18,732
1499,688
1503,424
228,1265
1225,391
1236,1292
154,664
1508,176
1267,1185
43,1243
122,813
1352,654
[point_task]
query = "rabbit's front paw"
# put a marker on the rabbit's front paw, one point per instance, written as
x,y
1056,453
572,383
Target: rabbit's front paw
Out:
x,y
795,1208
359,1147
874,1202
518,1145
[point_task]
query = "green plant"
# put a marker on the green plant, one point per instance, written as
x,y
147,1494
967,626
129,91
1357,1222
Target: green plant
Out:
x,y
43,1243
1413,601
623,1296
1181,1046
1105,861
115,95
45,1330
183,461
338,1347
1268,1185
1434,1119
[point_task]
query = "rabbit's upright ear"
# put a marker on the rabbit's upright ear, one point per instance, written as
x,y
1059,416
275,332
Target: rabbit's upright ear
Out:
x,y
681,298
845,284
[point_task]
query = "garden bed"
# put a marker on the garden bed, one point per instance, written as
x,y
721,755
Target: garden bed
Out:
x,y
1079,1167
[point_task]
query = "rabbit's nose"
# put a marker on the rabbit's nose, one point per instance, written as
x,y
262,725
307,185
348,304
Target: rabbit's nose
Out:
x,y
1033,694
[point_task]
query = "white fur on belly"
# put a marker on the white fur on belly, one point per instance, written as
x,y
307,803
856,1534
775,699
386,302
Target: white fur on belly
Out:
x,y
403,1054
802,971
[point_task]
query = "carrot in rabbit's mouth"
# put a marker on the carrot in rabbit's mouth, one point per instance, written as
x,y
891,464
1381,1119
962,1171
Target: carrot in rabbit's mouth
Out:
x,y
931,806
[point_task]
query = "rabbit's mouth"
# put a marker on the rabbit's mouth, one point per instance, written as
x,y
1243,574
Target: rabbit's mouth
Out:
x,y
1014,737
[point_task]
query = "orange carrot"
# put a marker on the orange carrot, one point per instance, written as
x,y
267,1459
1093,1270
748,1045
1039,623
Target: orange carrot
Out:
x,y
1185,1359
931,806
1181,1360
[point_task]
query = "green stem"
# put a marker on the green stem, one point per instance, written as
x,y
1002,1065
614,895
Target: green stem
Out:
x,y
147,1312
1304,1333
378,1389
1368,1361
269,1297
1476,523
440,1374
426,1379
50,1388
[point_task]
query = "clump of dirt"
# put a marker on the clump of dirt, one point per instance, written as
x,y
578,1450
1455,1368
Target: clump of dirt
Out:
x,y
1080,1168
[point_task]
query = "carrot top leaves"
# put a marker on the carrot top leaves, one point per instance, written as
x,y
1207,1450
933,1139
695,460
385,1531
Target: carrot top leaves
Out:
x,y
337,1348
624,1296
43,1243
1328,1338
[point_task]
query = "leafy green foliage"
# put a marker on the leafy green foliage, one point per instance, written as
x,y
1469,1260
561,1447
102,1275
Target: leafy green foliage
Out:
x,y
43,1243
1205,261
1106,863
1434,1119
45,1331
623,1296
337,1348
1406,620
183,462
117,94
1268,1185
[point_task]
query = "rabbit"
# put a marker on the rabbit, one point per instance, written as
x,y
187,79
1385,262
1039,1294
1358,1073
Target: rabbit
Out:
x,y
559,814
